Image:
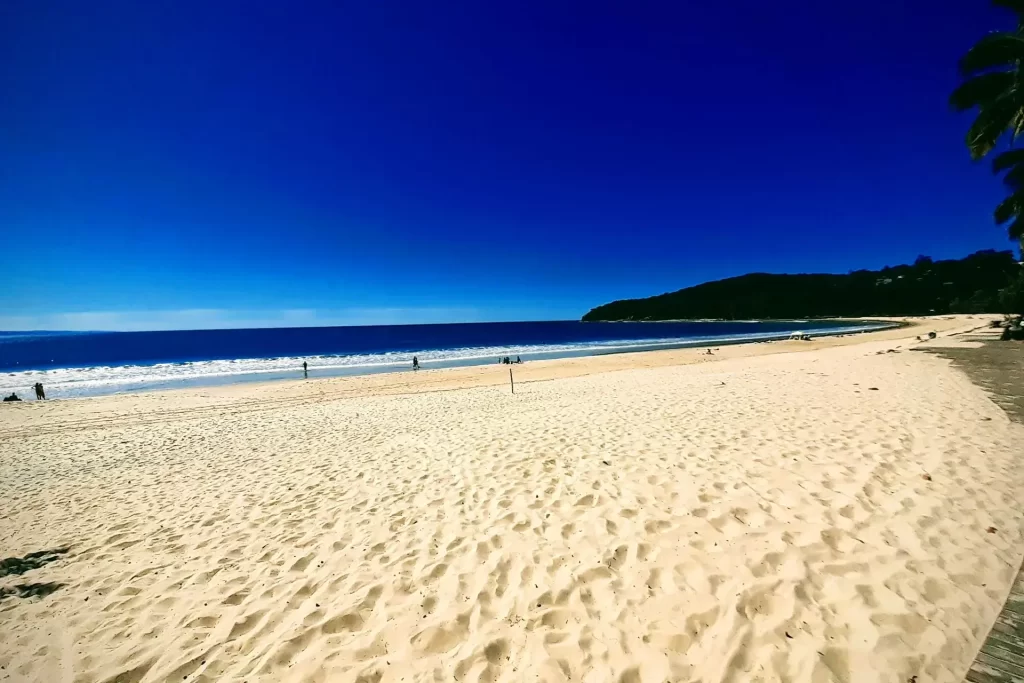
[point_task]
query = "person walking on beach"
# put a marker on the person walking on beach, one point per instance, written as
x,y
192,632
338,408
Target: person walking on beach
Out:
x,y
305,369
40,394
415,363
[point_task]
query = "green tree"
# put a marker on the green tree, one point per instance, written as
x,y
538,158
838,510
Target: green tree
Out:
x,y
1011,298
1011,210
994,85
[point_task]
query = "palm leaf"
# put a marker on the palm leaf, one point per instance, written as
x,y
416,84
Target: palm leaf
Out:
x,y
1005,114
1016,229
999,49
1013,163
1016,6
982,90
1015,178
1007,160
1011,207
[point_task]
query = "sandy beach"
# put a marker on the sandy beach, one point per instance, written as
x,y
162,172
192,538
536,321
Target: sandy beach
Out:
x,y
845,509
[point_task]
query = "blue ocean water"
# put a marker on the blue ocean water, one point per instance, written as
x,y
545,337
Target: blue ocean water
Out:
x,y
93,363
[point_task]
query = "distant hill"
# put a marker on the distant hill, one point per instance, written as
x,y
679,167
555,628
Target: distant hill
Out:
x,y
968,285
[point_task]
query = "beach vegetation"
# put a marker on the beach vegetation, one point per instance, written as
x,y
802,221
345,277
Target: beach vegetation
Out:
x,y
975,284
993,87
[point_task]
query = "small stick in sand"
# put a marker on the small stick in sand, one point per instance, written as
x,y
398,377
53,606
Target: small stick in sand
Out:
x,y
510,381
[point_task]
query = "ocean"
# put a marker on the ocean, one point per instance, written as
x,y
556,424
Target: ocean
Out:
x,y
71,364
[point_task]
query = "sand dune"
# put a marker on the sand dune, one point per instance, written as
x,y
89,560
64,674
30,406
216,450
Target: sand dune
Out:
x,y
823,515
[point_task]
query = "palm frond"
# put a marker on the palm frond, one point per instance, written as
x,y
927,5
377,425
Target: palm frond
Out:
x,y
1016,6
1013,163
982,90
993,120
1017,125
1011,207
1014,179
1016,229
1007,160
999,49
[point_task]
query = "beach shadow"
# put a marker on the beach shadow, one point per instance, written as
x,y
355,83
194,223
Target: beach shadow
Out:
x,y
40,558
997,367
30,590
17,566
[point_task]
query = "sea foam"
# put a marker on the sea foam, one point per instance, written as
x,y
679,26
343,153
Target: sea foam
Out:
x,y
106,379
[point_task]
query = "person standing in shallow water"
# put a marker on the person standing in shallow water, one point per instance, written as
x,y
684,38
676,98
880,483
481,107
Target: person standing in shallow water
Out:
x,y
305,369
40,394
415,363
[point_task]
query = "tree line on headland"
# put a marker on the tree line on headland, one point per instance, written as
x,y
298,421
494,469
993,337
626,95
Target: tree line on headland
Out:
x,y
984,282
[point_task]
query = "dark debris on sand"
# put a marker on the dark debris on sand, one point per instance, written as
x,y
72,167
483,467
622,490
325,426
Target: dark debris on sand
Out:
x,y
30,590
16,566
20,565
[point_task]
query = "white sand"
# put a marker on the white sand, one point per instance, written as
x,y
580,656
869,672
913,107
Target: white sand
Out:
x,y
748,517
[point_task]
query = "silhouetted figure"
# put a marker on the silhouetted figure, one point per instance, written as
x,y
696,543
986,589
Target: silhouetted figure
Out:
x,y
415,363
40,394
518,359
305,369
12,397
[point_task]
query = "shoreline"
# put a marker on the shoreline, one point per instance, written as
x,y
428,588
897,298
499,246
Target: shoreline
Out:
x,y
148,384
24,417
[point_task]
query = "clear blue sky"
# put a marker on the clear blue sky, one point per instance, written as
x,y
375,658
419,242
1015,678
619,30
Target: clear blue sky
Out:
x,y
216,164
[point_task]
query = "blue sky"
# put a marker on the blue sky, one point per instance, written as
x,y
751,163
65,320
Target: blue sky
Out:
x,y
181,165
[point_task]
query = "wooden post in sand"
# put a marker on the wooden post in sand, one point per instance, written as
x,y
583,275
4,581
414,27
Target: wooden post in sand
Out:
x,y
510,381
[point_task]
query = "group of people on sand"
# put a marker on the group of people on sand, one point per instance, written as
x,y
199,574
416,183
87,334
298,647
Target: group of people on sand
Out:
x,y
506,360
37,387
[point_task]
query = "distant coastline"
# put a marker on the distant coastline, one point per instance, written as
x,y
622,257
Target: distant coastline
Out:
x,y
979,283
887,323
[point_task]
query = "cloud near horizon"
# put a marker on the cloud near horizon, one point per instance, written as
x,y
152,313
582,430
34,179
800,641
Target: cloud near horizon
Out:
x,y
214,318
